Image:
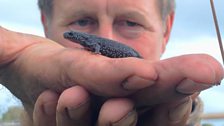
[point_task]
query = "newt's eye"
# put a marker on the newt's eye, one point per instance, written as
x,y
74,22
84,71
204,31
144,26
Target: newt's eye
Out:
x,y
83,24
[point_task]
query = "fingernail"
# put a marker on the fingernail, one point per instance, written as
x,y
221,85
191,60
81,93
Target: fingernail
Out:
x,y
136,83
188,86
180,111
77,112
129,120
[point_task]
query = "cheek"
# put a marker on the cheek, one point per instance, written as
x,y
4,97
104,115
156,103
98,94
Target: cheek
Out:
x,y
149,47
56,34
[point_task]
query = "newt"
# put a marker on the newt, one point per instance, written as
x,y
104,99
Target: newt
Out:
x,y
103,46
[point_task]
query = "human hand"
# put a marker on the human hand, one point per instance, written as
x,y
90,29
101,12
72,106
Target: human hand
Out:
x,y
50,110
173,111
22,58
64,110
176,113
30,65
180,77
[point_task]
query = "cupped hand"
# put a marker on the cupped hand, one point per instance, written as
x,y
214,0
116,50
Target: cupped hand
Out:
x,y
73,108
64,110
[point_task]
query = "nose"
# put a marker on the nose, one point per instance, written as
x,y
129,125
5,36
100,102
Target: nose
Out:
x,y
106,31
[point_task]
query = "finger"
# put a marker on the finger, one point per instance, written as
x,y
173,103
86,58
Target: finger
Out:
x,y
171,114
179,77
198,68
45,109
73,107
117,112
120,75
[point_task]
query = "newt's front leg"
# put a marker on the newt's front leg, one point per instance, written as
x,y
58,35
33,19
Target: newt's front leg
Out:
x,y
93,47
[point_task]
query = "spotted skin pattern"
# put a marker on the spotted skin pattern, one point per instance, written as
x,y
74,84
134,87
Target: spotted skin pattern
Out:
x,y
103,46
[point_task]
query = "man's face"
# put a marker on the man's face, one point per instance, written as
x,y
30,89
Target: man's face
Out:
x,y
136,23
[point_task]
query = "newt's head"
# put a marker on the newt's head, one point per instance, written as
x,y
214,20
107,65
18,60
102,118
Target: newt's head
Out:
x,y
77,37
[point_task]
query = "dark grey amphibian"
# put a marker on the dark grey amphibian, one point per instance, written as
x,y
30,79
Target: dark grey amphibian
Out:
x,y
103,46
